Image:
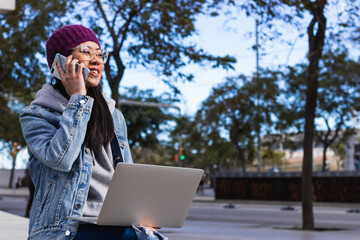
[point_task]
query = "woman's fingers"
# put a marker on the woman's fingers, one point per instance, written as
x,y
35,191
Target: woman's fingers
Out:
x,y
80,68
67,64
60,70
73,79
73,68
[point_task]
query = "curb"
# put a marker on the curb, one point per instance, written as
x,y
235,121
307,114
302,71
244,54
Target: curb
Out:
x,y
20,192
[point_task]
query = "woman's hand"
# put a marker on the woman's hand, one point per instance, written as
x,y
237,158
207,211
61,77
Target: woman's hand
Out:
x,y
152,229
72,80
149,227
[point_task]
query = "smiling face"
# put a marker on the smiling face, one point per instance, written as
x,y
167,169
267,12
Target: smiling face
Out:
x,y
95,64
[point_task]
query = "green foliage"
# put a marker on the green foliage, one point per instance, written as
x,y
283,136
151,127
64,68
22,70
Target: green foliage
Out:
x,y
145,124
10,130
158,154
339,88
338,92
202,148
152,34
230,115
270,157
338,95
23,33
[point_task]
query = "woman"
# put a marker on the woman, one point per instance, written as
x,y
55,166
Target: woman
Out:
x,y
75,136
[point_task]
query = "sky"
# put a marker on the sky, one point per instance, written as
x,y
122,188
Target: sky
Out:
x,y
218,36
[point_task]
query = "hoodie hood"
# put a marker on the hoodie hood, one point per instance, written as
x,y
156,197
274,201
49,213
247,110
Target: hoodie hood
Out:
x,y
51,98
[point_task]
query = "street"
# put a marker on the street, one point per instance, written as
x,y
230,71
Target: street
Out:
x,y
332,217
264,221
247,220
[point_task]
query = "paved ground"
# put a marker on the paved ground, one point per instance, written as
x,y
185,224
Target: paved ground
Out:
x,y
196,227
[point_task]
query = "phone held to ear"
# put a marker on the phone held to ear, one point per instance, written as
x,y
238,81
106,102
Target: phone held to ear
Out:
x,y
61,59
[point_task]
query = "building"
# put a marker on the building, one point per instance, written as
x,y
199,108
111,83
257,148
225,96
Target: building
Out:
x,y
7,5
292,147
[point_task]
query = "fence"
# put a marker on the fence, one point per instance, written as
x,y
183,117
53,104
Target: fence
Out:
x,y
327,186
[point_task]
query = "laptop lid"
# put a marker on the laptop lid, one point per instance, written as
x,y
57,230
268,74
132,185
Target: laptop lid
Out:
x,y
149,195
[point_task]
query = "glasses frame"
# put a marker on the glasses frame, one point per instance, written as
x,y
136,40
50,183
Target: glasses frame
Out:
x,y
93,53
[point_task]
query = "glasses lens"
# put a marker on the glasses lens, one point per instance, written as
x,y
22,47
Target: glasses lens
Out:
x,y
89,54
105,55
86,51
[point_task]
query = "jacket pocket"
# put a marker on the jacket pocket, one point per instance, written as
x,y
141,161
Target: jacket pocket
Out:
x,y
61,212
44,204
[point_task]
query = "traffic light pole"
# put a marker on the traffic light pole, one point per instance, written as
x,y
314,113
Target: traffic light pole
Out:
x,y
179,152
157,105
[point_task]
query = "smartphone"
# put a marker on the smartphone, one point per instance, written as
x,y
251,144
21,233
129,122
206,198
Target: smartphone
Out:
x,y
61,59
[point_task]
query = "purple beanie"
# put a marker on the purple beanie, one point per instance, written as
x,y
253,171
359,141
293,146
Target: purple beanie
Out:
x,y
67,37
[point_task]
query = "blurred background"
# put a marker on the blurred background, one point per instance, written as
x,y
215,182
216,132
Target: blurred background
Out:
x,y
213,84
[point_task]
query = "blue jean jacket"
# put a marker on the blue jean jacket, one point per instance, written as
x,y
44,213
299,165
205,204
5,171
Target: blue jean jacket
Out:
x,y
60,164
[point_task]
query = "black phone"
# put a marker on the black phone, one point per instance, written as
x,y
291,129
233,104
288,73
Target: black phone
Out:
x,y
61,59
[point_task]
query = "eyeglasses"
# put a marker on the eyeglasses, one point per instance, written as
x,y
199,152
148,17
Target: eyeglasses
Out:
x,y
88,53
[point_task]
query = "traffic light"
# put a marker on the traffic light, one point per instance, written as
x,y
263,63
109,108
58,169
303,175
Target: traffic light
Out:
x,y
15,150
175,158
182,154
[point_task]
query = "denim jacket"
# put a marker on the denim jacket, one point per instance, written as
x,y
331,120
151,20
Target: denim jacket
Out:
x,y
60,163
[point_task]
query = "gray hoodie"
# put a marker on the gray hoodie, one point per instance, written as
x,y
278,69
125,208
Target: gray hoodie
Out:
x,y
103,169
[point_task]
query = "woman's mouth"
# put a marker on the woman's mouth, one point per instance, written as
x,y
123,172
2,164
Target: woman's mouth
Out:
x,y
94,72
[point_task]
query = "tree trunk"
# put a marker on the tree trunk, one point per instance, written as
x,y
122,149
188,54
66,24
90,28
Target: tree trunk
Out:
x,y
324,166
241,157
316,43
327,140
114,81
12,173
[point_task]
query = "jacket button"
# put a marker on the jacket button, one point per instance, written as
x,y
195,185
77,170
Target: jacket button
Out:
x,y
82,101
87,150
67,233
78,205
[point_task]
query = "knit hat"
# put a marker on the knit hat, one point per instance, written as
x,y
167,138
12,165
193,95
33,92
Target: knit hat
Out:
x,y
67,37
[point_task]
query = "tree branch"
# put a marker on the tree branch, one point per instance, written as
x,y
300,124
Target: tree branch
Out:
x,y
132,14
111,29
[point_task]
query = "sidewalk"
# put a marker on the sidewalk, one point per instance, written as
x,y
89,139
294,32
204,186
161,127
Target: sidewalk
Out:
x,y
19,192
13,227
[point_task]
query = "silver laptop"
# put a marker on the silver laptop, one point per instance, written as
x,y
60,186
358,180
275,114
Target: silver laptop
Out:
x,y
148,195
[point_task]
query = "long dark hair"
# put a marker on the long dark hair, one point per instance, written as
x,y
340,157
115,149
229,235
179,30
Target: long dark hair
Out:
x,y
100,128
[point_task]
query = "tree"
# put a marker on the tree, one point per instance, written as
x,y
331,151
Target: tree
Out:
x,y
228,111
145,123
272,158
152,34
23,33
203,146
10,134
291,12
229,115
337,99
339,94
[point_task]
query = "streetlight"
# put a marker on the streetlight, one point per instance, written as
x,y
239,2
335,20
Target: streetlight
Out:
x,y
157,105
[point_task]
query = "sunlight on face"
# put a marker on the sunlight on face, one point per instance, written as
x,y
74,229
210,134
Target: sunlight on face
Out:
x,y
95,65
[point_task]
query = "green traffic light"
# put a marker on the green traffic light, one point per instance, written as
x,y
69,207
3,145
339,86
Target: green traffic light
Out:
x,y
182,157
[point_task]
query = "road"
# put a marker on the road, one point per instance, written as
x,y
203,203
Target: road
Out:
x,y
252,221
331,217
210,220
